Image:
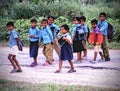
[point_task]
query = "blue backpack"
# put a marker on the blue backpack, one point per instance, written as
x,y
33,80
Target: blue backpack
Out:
x,y
110,31
80,33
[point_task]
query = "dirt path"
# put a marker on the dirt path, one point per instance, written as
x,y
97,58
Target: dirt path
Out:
x,y
105,74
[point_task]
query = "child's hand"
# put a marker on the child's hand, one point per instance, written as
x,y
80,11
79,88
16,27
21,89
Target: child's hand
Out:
x,y
31,36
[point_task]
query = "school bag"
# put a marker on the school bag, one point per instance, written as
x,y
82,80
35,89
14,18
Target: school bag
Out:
x,y
110,31
80,33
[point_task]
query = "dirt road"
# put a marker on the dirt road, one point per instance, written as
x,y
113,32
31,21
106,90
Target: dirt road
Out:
x,y
106,74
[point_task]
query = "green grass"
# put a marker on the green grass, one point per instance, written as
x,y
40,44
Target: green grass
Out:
x,y
7,85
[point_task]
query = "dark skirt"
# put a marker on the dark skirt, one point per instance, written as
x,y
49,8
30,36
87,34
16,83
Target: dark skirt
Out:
x,y
66,52
78,46
34,49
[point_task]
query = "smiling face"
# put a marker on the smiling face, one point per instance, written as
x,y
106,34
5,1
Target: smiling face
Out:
x,y
102,17
93,25
33,24
75,21
44,24
50,20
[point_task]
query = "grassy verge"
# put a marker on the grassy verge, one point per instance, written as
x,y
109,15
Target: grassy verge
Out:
x,y
7,85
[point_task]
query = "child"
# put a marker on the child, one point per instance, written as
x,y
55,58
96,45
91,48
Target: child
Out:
x,y
77,42
33,37
85,28
66,50
47,38
55,29
14,46
103,26
97,47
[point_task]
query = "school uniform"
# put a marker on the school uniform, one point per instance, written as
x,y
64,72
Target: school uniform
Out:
x,y
55,29
34,41
13,42
46,37
77,43
103,26
66,49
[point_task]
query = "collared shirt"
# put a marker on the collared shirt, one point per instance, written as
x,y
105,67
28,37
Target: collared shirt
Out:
x,y
85,28
45,35
74,29
103,26
56,29
13,36
96,30
68,37
35,33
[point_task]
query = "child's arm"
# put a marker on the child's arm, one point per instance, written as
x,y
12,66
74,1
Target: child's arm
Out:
x,y
50,34
18,43
67,39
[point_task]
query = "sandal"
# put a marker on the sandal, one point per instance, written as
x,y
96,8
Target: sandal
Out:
x,y
18,70
33,64
71,71
14,71
57,71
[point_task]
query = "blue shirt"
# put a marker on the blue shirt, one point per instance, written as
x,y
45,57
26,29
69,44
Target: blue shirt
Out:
x,y
35,33
45,35
13,36
85,28
56,29
74,29
103,26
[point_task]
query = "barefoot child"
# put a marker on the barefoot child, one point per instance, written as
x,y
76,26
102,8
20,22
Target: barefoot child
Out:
x,y
14,47
66,50
97,47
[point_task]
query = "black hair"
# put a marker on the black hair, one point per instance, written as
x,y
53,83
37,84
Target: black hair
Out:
x,y
94,21
33,20
83,18
10,24
66,27
77,18
102,13
44,20
51,17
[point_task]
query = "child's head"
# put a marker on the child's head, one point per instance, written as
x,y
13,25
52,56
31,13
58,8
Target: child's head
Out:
x,y
33,23
76,20
44,23
94,23
51,19
82,20
64,28
10,26
102,16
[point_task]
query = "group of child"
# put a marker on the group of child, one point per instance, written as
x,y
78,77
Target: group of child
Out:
x,y
48,36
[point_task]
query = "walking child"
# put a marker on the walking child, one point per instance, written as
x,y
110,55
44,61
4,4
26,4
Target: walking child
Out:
x,y
97,46
78,36
55,30
14,44
66,50
46,37
33,37
85,28
103,26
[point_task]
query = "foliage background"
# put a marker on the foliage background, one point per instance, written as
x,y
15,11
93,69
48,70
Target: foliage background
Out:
x,y
21,11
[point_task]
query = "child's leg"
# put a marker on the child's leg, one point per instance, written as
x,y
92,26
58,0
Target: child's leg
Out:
x,y
101,54
35,59
10,57
95,56
85,53
71,64
60,65
79,58
17,63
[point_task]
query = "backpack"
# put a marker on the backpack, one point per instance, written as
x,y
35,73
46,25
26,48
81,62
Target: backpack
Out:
x,y
80,33
88,33
110,31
